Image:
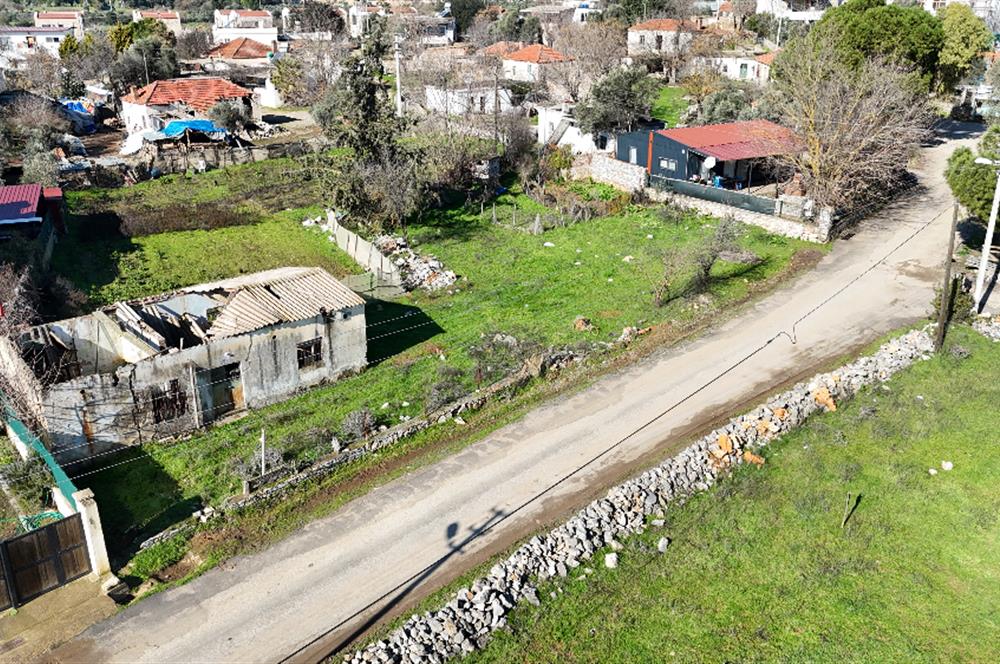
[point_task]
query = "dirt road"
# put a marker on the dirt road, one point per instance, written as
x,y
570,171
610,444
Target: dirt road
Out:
x,y
401,540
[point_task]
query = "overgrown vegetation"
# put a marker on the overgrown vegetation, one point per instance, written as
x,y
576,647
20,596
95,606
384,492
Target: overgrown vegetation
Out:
x,y
760,568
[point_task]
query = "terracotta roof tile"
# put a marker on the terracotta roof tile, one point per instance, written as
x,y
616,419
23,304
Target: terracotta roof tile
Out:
x,y
160,15
502,48
240,49
664,25
250,13
767,58
200,94
726,8
538,54
58,15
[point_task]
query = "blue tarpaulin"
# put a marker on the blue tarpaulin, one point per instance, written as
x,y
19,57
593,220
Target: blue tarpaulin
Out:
x,y
176,128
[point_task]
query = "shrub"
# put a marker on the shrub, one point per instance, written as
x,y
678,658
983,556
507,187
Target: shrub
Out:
x,y
358,425
249,467
445,391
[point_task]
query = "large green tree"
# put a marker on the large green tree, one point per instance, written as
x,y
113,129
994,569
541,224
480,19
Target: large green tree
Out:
x,y
971,183
618,102
965,38
870,28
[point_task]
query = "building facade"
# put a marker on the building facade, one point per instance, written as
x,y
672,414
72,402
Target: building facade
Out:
x,y
158,367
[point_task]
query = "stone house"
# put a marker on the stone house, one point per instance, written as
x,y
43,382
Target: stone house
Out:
x,y
168,17
474,98
63,18
530,63
660,36
164,365
151,107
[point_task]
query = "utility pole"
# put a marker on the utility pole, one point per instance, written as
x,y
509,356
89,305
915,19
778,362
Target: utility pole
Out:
x,y
263,460
399,89
946,288
777,40
145,66
984,259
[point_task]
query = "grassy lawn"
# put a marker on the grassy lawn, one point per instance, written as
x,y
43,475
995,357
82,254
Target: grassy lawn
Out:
x,y
670,105
604,270
760,569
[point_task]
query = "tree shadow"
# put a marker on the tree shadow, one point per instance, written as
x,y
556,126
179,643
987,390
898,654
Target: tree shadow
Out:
x,y
393,327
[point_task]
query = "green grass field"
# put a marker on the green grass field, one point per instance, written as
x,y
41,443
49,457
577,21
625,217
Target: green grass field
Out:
x,y
760,569
511,282
670,105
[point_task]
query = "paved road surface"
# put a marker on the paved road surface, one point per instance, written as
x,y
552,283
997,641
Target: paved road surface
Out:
x,y
264,607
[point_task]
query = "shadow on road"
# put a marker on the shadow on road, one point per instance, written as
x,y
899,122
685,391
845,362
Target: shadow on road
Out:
x,y
403,590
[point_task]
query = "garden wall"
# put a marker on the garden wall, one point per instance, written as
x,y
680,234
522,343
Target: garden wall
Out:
x,y
608,170
466,622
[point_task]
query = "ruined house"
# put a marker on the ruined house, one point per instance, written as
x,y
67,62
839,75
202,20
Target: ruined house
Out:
x,y
164,365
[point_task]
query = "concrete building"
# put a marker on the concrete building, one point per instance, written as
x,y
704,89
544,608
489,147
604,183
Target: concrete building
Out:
x,y
16,44
62,18
168,17
660,35
783,10
476,98
255,24
438,29
164,365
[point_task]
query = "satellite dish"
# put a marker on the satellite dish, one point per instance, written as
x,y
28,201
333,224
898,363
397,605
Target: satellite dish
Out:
x,y
710,162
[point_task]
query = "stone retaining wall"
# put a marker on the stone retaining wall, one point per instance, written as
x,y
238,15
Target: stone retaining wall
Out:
x,y
466,622
626,176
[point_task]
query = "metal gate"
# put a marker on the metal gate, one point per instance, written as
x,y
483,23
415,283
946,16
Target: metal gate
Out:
x,y
43,560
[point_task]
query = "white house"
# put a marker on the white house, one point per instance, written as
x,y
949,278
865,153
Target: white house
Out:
x,y
781,9
431,29
18,43
169,18
255,24
64,18
528,64
479,98
557,126
660,35
739,66
151,107
984,9
552,16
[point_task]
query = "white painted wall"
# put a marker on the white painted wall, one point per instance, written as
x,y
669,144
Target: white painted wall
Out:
x,y
460,101
641,42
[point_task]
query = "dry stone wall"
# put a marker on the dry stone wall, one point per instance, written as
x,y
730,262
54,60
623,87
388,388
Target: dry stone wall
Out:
x,y
467,622
988,327
621,174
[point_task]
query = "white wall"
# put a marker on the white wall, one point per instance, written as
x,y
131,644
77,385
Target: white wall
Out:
x,y
549,118
17,44
460,101
515,70
644,41
139,118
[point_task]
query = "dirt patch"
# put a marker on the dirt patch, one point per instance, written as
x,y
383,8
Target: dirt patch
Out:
x,y
189,563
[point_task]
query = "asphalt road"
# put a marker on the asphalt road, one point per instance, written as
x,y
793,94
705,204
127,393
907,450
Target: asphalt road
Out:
x,y
400,541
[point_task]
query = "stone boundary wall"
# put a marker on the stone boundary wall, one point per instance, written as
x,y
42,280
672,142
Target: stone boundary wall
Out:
x,y
988,327
626,176
466,622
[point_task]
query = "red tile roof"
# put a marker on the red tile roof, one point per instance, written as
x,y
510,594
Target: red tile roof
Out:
x,y
52,192
538,54
20,201
160,15
251,13
200,94
240,49
502,48
58,15
767,58
664,25
726,8
736,140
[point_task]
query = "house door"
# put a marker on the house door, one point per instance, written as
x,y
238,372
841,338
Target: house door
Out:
x,y
659,42
743,70
220,391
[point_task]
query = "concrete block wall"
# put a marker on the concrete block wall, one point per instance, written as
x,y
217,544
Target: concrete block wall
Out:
x,y
607,169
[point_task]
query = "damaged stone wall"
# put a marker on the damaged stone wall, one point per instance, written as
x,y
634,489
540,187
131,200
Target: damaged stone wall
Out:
x,y
605,168
467,621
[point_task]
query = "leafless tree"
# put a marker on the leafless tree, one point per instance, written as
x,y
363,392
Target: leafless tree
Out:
x,y
41,73
674,260
17,313
858,126
743,9
597,48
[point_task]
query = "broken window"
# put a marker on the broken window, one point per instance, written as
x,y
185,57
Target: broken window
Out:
x,y
310,353
169,403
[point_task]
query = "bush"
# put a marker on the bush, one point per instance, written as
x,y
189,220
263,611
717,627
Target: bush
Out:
x,y
358,425
445,391
249,467
499,355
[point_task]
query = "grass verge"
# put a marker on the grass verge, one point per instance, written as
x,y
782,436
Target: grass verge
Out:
x,y
761,569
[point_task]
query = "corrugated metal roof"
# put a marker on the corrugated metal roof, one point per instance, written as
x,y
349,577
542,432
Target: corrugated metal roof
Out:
x,y
736,140
20,201
276,296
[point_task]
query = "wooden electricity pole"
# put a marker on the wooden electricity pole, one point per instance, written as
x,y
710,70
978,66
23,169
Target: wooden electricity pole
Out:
x,y
946,289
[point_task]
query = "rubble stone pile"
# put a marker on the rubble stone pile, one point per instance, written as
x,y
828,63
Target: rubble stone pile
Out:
x,y
466,622
418,271
988,327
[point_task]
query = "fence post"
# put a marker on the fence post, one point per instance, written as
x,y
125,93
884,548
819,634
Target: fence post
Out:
x,y
91,519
